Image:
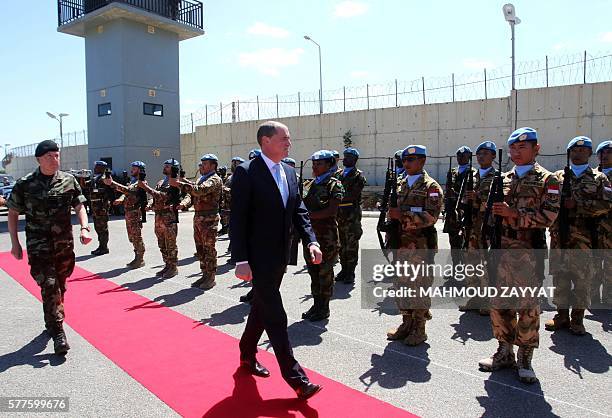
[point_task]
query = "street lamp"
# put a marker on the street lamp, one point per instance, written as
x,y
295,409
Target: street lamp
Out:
x,y
59,118
512,19
308,38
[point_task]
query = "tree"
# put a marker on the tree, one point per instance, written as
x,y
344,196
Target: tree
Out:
x,y
348,142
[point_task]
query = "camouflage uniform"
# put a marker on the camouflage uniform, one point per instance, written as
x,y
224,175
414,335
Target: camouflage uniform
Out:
x,y
166,227
420,206
475,252
204,196
452,226
130,196
602,277
317,197
100,195
349,221
47,203
577,267
226,200
536,198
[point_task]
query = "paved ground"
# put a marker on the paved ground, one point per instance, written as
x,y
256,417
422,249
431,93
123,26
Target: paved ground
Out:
x,y
439,378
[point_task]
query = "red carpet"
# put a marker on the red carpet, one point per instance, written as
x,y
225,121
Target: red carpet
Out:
x,y
191,368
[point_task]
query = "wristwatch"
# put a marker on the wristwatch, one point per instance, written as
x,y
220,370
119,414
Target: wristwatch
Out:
x,y
86,228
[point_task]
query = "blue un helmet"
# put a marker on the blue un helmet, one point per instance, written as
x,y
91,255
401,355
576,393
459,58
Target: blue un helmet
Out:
x,y
351,151
488,145
580,141
254,153
209,157
604,145
173,162
419,150
101,163
239,159
322,155
522,135
138,164
288,160
464,149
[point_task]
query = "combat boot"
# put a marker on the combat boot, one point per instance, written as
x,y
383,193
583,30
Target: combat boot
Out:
x,y
576,324
137,262
349,276
402,331
323,311
198,282
208,283
314,308
561,320
503,358
60,343
340,276
417,333
162,271
523,361
170,273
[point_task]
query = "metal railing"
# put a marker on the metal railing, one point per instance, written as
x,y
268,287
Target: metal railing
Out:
x,y
188,12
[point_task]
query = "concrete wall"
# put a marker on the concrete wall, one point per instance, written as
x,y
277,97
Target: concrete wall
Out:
x,y
558,113
124,62
71,157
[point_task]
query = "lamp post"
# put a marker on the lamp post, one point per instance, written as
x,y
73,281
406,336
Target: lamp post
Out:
x,y
512,19
308,38
60,119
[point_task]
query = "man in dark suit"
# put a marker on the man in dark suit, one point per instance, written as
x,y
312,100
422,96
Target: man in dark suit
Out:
x,y
265,209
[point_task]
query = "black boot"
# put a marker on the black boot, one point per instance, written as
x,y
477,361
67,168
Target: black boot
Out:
x,y
100,251
349,276
313,309
322,312
60,343
340,277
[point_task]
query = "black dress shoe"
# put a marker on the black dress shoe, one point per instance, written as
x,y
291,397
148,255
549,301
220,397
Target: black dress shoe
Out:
x,y
308,390
255,368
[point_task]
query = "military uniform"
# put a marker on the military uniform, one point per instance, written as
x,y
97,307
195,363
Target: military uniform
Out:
x,y
452,226
420,200
318,194
46,202
573,270
349,219
204,195
100,196
535,196
166,228
475,251
602,277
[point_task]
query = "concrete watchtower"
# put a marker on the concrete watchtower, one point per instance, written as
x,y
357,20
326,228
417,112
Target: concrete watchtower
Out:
x,y
132,63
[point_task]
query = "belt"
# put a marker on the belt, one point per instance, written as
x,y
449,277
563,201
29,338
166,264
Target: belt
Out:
x,y
520,234
346,205
206,212
163,211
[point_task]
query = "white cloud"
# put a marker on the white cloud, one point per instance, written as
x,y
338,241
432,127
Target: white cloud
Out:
x,y
477,64
560,46
270,61
263,29
350,9
606,37
358,75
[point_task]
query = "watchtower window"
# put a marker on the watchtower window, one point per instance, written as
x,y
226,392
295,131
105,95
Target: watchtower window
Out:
x,y
104,109
152,109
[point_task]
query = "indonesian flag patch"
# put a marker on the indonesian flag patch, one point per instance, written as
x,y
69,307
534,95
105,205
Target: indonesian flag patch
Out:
x,y
433,192
553,189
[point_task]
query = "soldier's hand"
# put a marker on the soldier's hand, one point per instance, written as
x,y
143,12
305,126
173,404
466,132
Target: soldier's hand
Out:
x,y
180,208
243,272
173,182
316,256
85,237
395,213
569,204
117,202
16,251
108,181
141,183
502,209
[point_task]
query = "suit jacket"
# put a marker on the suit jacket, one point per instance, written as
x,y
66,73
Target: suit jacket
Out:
x,y
260,226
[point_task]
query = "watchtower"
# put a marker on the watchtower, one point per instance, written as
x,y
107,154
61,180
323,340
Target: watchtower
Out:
x,y
132,65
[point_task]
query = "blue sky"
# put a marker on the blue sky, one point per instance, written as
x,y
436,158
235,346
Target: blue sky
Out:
x,y
363,41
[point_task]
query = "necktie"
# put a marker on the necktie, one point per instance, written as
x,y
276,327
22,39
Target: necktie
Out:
x,y
280,183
